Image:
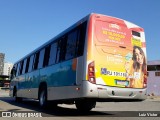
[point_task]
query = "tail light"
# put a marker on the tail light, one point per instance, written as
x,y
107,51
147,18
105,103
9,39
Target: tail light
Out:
x,y
91,73
145,81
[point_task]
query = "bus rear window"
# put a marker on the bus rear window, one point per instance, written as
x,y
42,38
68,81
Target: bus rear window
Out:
x,y
135,33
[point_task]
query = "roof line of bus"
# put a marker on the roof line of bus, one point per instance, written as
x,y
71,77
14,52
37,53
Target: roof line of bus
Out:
x,y
57,36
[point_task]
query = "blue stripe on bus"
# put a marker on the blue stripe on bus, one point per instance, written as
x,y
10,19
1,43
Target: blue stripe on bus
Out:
x,y
61,74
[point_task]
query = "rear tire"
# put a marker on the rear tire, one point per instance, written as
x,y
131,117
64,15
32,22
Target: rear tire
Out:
x,y
85,105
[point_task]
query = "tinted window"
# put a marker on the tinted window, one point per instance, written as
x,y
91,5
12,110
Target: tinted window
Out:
x,y
18,69
58,51
136,33
24,66
31,63
71,45
81,39
153,67
41,57
53,52
21,67
27,66
157,73
62,47
46,56
36,60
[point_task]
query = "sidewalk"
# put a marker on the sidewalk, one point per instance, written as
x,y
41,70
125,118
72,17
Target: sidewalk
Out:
x,y
154,98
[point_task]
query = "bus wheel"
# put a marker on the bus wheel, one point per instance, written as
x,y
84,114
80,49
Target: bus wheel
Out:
x,y
85,105
43,98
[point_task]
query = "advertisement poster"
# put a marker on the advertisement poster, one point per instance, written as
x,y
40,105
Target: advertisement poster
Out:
x,y
119,53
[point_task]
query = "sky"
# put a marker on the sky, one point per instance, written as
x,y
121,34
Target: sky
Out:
x,y
27,24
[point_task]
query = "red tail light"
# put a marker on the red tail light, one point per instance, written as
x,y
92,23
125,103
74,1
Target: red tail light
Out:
x,y
145,81
91,73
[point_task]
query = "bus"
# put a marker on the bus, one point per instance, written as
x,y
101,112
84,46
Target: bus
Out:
x,y
99,58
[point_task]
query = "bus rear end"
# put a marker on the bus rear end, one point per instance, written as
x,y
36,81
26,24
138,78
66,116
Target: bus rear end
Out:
x,y
116,58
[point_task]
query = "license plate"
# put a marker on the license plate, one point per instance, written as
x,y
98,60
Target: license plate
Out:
x,y
122,82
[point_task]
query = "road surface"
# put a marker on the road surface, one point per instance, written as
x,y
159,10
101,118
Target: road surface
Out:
x,y
148,109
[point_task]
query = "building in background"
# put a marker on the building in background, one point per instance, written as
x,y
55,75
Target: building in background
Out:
x,y
2,56
153,84
4,77
7,68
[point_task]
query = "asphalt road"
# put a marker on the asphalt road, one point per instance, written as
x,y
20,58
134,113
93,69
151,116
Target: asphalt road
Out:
x,y
148,109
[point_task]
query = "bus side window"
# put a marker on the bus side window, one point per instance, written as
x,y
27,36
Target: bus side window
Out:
x,y
46,56
27,65
36,60
31,63
53,52
71,45
58,51
62,45
24,66
18,69
21,67
81,39
41,57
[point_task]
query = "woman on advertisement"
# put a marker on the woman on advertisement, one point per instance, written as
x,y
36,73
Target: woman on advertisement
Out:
x,y
137,74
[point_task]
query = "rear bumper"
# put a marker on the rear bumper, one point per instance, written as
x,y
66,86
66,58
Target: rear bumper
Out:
x,y
106,92
121,93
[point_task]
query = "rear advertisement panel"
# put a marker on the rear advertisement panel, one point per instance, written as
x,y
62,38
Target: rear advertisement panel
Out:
x,y
119,53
